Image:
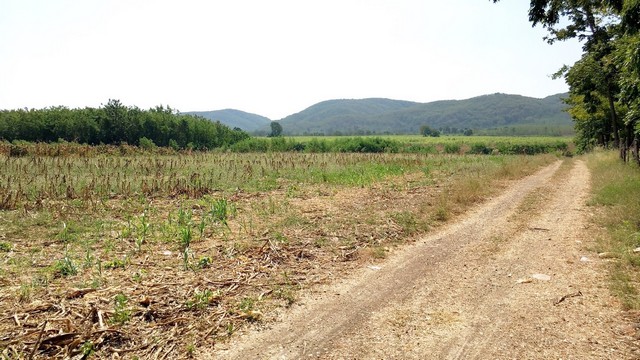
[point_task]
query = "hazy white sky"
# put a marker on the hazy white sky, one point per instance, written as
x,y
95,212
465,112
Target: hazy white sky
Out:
x,y
273,58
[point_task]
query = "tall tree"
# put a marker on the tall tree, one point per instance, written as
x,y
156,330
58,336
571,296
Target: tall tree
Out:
x,y
276,129
605,80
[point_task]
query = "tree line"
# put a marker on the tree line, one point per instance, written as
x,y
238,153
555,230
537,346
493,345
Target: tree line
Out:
x,y
604,84
115,123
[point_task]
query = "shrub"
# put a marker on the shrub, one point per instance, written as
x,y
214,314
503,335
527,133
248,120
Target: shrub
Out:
x,y
317,146
146,143
366,145
480,148
451,148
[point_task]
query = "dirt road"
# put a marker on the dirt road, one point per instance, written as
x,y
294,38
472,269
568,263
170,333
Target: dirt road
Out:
x,y
513,279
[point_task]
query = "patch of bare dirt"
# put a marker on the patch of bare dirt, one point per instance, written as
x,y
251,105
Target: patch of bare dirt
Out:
x,y
508,280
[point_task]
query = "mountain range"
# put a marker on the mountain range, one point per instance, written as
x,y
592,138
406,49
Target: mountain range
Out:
x,y
500,112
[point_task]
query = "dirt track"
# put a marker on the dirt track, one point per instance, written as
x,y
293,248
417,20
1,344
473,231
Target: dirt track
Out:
x,y
489,286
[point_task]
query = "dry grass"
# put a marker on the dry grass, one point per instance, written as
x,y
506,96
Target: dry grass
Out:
x,y
616,190
158,256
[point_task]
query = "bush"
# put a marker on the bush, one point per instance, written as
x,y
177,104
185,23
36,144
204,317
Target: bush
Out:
x,y
317,146
146,143
174,145
452,148
366,145
251,145
480,148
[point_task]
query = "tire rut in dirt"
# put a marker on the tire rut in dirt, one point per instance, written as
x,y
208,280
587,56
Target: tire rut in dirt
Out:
x,y
314,328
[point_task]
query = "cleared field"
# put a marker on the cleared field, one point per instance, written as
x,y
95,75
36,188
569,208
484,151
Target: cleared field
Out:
x,y
159,255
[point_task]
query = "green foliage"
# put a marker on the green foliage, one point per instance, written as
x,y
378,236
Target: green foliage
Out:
x,y
451,148
121,313
66,235
87,349
426,130
204,262
115,123
202,299
65,267
605,82
114,264
276,129
220,211
247,304
186,236
366,145
5,246
146,143
480,148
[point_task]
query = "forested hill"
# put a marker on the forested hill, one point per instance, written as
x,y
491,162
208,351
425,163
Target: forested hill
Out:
x,y
235,119
366,116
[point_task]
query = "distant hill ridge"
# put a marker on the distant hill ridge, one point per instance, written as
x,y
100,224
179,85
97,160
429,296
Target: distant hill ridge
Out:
x,y
379,115
235,119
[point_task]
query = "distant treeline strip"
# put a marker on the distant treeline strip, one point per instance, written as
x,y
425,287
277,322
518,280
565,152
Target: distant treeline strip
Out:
x,y
384,145
114,124
313,145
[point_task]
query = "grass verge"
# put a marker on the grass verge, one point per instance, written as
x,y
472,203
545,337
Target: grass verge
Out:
x,y
616,196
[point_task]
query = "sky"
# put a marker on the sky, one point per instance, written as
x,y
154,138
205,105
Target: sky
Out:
x,y
272,58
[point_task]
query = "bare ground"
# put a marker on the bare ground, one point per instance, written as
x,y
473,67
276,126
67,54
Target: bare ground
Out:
x,y
506,281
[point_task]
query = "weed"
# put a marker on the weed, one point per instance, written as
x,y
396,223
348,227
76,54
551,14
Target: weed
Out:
x,y
320,242
220,211
247,304
408,221
191,350
202,226
115,264
5,246
204,262
185,242
202,299
65,235
143,230
441,212
87,349
89,259
65,266
127,231
137,276
279,238
121,313
24,292
378,252
184,217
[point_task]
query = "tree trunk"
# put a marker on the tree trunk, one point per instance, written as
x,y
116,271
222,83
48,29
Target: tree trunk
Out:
x,y
636,149
614,121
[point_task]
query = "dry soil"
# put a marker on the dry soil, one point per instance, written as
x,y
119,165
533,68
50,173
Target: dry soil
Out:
x,y
512,279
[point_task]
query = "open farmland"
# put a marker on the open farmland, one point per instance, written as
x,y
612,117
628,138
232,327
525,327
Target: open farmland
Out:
x,y
111,250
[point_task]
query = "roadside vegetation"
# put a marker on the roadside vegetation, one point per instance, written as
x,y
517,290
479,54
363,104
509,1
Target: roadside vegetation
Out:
x,y
112,249
616,199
